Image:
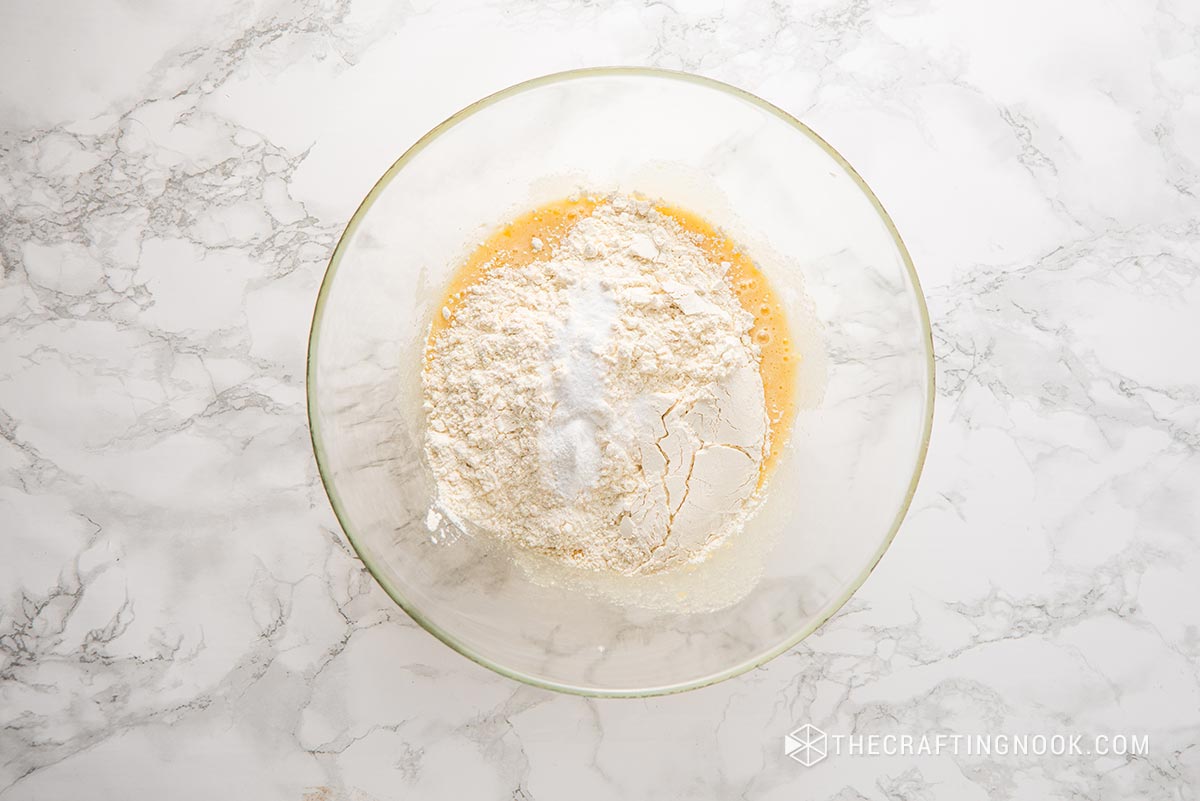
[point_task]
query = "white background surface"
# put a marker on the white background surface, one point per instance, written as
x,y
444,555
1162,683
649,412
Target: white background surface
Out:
x,y
179,615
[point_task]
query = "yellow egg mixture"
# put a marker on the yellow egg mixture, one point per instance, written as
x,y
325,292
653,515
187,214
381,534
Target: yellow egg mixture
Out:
x,y
512,246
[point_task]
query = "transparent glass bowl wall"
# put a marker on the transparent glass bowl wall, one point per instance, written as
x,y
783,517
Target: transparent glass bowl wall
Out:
x,y
865,389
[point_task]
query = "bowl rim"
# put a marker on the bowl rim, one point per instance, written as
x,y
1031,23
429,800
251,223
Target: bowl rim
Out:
x,y
833,606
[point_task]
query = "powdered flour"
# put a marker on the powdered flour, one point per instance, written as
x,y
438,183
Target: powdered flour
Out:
x,y
602,404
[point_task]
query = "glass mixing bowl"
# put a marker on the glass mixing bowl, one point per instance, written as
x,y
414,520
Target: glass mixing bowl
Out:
x,y
864,387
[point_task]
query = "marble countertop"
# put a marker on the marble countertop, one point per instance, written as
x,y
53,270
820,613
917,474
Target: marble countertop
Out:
x,y
180,616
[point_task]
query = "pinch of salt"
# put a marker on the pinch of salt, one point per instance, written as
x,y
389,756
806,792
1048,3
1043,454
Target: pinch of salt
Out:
x,y
536,244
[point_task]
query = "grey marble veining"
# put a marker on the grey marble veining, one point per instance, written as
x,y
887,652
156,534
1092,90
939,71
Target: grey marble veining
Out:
x,y
179,614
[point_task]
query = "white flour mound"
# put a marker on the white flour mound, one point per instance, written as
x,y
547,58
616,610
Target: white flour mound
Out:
x,y
602,405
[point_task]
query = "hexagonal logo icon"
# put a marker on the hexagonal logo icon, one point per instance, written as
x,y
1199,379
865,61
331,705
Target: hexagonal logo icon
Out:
x,y
807,745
